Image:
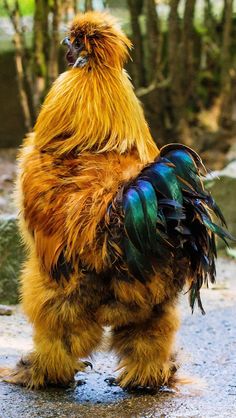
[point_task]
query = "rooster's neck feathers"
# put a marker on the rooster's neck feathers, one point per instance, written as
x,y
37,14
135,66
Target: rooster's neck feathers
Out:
x,y
95,109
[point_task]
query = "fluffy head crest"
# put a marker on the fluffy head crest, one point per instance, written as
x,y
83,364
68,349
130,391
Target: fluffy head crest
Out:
x,y
102,37
93,107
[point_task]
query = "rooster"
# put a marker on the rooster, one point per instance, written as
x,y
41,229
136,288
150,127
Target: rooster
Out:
x,y
114,227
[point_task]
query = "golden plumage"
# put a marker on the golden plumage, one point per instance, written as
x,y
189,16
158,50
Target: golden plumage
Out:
x,y
90,140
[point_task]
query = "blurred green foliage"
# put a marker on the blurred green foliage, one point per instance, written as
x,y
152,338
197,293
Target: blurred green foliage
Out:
x,y
26,6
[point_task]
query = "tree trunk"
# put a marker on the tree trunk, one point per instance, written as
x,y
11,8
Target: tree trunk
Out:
x,y
139,73
174,67
66,6
173,41
153,41
20,81
187,55
75,6
180,54
41,45
88,5
55,41
209,18
24,85
226,79
46,9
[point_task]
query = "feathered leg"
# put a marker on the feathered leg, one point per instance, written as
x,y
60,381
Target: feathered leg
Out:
x,y
63,333
146,350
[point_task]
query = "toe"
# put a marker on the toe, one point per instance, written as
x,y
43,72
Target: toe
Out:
x,y
88,364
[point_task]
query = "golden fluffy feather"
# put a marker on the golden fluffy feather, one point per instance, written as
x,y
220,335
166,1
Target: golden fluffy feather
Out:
x,y
90,138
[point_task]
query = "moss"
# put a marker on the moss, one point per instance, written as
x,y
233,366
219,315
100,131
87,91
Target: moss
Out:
x,y
11,257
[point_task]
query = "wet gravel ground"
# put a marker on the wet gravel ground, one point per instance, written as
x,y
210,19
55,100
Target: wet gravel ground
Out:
x,y
207,350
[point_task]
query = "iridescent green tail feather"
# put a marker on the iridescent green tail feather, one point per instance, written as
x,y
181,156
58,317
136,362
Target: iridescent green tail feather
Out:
x,y
167,208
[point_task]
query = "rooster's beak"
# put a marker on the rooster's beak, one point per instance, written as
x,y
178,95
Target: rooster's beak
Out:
x,y
66,41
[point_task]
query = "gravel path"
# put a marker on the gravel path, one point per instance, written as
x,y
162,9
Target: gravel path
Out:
x,y
207,347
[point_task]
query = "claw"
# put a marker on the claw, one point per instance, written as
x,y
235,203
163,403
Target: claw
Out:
x,y
88,364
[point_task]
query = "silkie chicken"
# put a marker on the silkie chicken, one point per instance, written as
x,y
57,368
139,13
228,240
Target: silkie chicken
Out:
x,y
114,227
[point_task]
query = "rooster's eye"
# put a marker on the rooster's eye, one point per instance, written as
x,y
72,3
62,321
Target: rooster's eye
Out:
x,y
77,43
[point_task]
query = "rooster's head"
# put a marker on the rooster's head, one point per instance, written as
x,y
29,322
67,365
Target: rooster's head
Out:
x,y
94,40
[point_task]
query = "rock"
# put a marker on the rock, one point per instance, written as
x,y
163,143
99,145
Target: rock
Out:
x,y
11,256
6,310
222,185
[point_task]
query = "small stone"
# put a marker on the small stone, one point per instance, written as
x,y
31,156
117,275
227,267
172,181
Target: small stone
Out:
x,y
6,310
